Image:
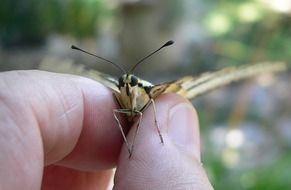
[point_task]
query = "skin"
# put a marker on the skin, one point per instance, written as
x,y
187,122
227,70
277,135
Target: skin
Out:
x,y
58,132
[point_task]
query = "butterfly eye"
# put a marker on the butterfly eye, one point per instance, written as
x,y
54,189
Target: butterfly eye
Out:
x,y
120,82
133,81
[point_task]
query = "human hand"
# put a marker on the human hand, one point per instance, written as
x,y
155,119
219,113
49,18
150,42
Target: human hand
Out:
x,y
58,132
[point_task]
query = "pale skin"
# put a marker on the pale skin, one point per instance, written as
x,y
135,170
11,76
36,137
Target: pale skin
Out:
x,y
58,132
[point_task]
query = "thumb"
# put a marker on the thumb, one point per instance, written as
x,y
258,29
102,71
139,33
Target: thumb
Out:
x,y
174,164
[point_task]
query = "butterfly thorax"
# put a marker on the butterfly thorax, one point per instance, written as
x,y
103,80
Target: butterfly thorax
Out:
x,y
134,92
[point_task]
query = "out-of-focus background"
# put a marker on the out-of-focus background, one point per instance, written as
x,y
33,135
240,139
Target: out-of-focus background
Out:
x,y
246,126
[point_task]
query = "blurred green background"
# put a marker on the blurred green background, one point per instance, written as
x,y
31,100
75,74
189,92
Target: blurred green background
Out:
x,y
246,126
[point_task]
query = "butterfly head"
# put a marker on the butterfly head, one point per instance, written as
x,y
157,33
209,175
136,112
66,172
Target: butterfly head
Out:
x,y
128,82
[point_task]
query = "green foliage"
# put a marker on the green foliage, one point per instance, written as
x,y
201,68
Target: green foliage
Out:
x,y
31,20
21,20
246,31
272,177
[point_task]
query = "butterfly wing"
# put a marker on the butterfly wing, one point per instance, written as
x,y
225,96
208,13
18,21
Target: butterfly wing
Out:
x,y
103,78
191,87
54,64
171,87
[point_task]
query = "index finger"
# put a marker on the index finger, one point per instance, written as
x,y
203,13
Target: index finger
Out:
x,y
72,114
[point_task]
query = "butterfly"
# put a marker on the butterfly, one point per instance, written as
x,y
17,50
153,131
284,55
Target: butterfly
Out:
x,y
134,95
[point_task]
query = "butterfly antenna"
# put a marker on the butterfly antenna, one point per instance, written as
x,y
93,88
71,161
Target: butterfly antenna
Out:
x,y
79,49
168,43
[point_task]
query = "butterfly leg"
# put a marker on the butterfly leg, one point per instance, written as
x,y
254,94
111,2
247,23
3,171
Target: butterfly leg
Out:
x,y
155,117
124,111
127,111
156,121
136,129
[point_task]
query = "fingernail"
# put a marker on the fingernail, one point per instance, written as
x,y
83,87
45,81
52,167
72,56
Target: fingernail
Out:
x,y
184,129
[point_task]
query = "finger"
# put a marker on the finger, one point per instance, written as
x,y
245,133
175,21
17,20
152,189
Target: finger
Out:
x,y
47,118
59,178
172,165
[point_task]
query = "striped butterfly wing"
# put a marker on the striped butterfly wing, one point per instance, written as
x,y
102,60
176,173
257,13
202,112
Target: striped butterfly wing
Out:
x,y
105,79
64,66
191,87
188,87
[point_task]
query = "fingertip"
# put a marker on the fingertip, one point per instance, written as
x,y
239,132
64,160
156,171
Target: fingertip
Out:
x,y
183,128
174,163
90,140
99,143
176,118
72,116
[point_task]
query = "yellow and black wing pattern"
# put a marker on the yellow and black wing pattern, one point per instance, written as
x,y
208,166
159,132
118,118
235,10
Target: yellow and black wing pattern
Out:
x,y
188,86
191,87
